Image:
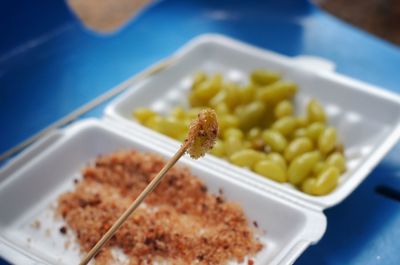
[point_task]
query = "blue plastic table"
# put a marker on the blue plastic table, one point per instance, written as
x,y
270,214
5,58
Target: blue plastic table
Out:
x,y
50,65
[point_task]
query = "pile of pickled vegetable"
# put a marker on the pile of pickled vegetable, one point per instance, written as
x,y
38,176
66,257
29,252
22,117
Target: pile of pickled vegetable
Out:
x,y
259,129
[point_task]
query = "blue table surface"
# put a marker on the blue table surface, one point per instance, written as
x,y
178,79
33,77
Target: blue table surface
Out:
x,y
50,65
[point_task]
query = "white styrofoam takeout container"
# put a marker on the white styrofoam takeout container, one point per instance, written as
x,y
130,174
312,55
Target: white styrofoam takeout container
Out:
x,y
367,119
50,166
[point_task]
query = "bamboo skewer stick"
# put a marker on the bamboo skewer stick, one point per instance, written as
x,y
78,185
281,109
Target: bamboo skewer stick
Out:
x,y
200,139
152,185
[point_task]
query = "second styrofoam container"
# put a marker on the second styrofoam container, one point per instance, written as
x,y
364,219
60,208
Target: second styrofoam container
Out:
x,y
367,118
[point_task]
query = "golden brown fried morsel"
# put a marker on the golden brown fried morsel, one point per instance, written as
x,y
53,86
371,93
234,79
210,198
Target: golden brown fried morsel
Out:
x,y
203,133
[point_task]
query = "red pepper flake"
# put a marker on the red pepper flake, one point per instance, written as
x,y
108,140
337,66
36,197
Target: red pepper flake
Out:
x,y
200,257
63,230
255,224
219,199
250,262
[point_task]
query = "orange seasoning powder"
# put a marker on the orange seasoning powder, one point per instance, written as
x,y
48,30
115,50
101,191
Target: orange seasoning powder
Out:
x,y
179,222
